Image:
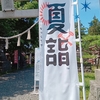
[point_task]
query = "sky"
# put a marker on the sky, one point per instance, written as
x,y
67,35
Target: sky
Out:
x,y
87,16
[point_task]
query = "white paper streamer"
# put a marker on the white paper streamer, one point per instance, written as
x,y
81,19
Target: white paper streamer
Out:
x,y
28,35
6,46
18,42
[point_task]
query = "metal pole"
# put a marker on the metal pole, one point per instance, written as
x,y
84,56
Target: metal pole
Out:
x,y
81,58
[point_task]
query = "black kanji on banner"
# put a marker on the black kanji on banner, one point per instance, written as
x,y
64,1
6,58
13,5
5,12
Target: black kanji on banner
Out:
x,y
56,21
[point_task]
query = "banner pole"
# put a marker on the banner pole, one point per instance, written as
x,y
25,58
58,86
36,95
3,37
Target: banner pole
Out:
x,y
81,58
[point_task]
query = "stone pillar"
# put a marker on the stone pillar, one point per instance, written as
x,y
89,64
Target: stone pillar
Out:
x,y
95,87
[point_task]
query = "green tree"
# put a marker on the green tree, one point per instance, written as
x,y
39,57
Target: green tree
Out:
x,y
94,28
82,29
91,48
10,27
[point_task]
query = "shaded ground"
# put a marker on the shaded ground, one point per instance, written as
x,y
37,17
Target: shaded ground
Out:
x,y
18,83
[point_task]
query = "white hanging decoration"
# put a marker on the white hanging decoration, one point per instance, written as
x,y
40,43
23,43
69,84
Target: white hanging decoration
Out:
x,y
28,35
6,46
18,42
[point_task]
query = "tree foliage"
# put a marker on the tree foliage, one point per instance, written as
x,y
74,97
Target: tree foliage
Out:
x,y
91,41
82,29
91,48
10,27
94,28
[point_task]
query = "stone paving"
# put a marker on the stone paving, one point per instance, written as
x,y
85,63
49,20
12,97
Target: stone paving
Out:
x,y
18,86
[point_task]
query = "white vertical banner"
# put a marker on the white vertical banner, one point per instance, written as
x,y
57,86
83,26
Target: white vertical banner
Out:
x,y
58,72
37,68
37,63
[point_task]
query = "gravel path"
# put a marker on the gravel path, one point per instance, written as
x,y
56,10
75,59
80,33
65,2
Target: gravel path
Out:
x,y
17,86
